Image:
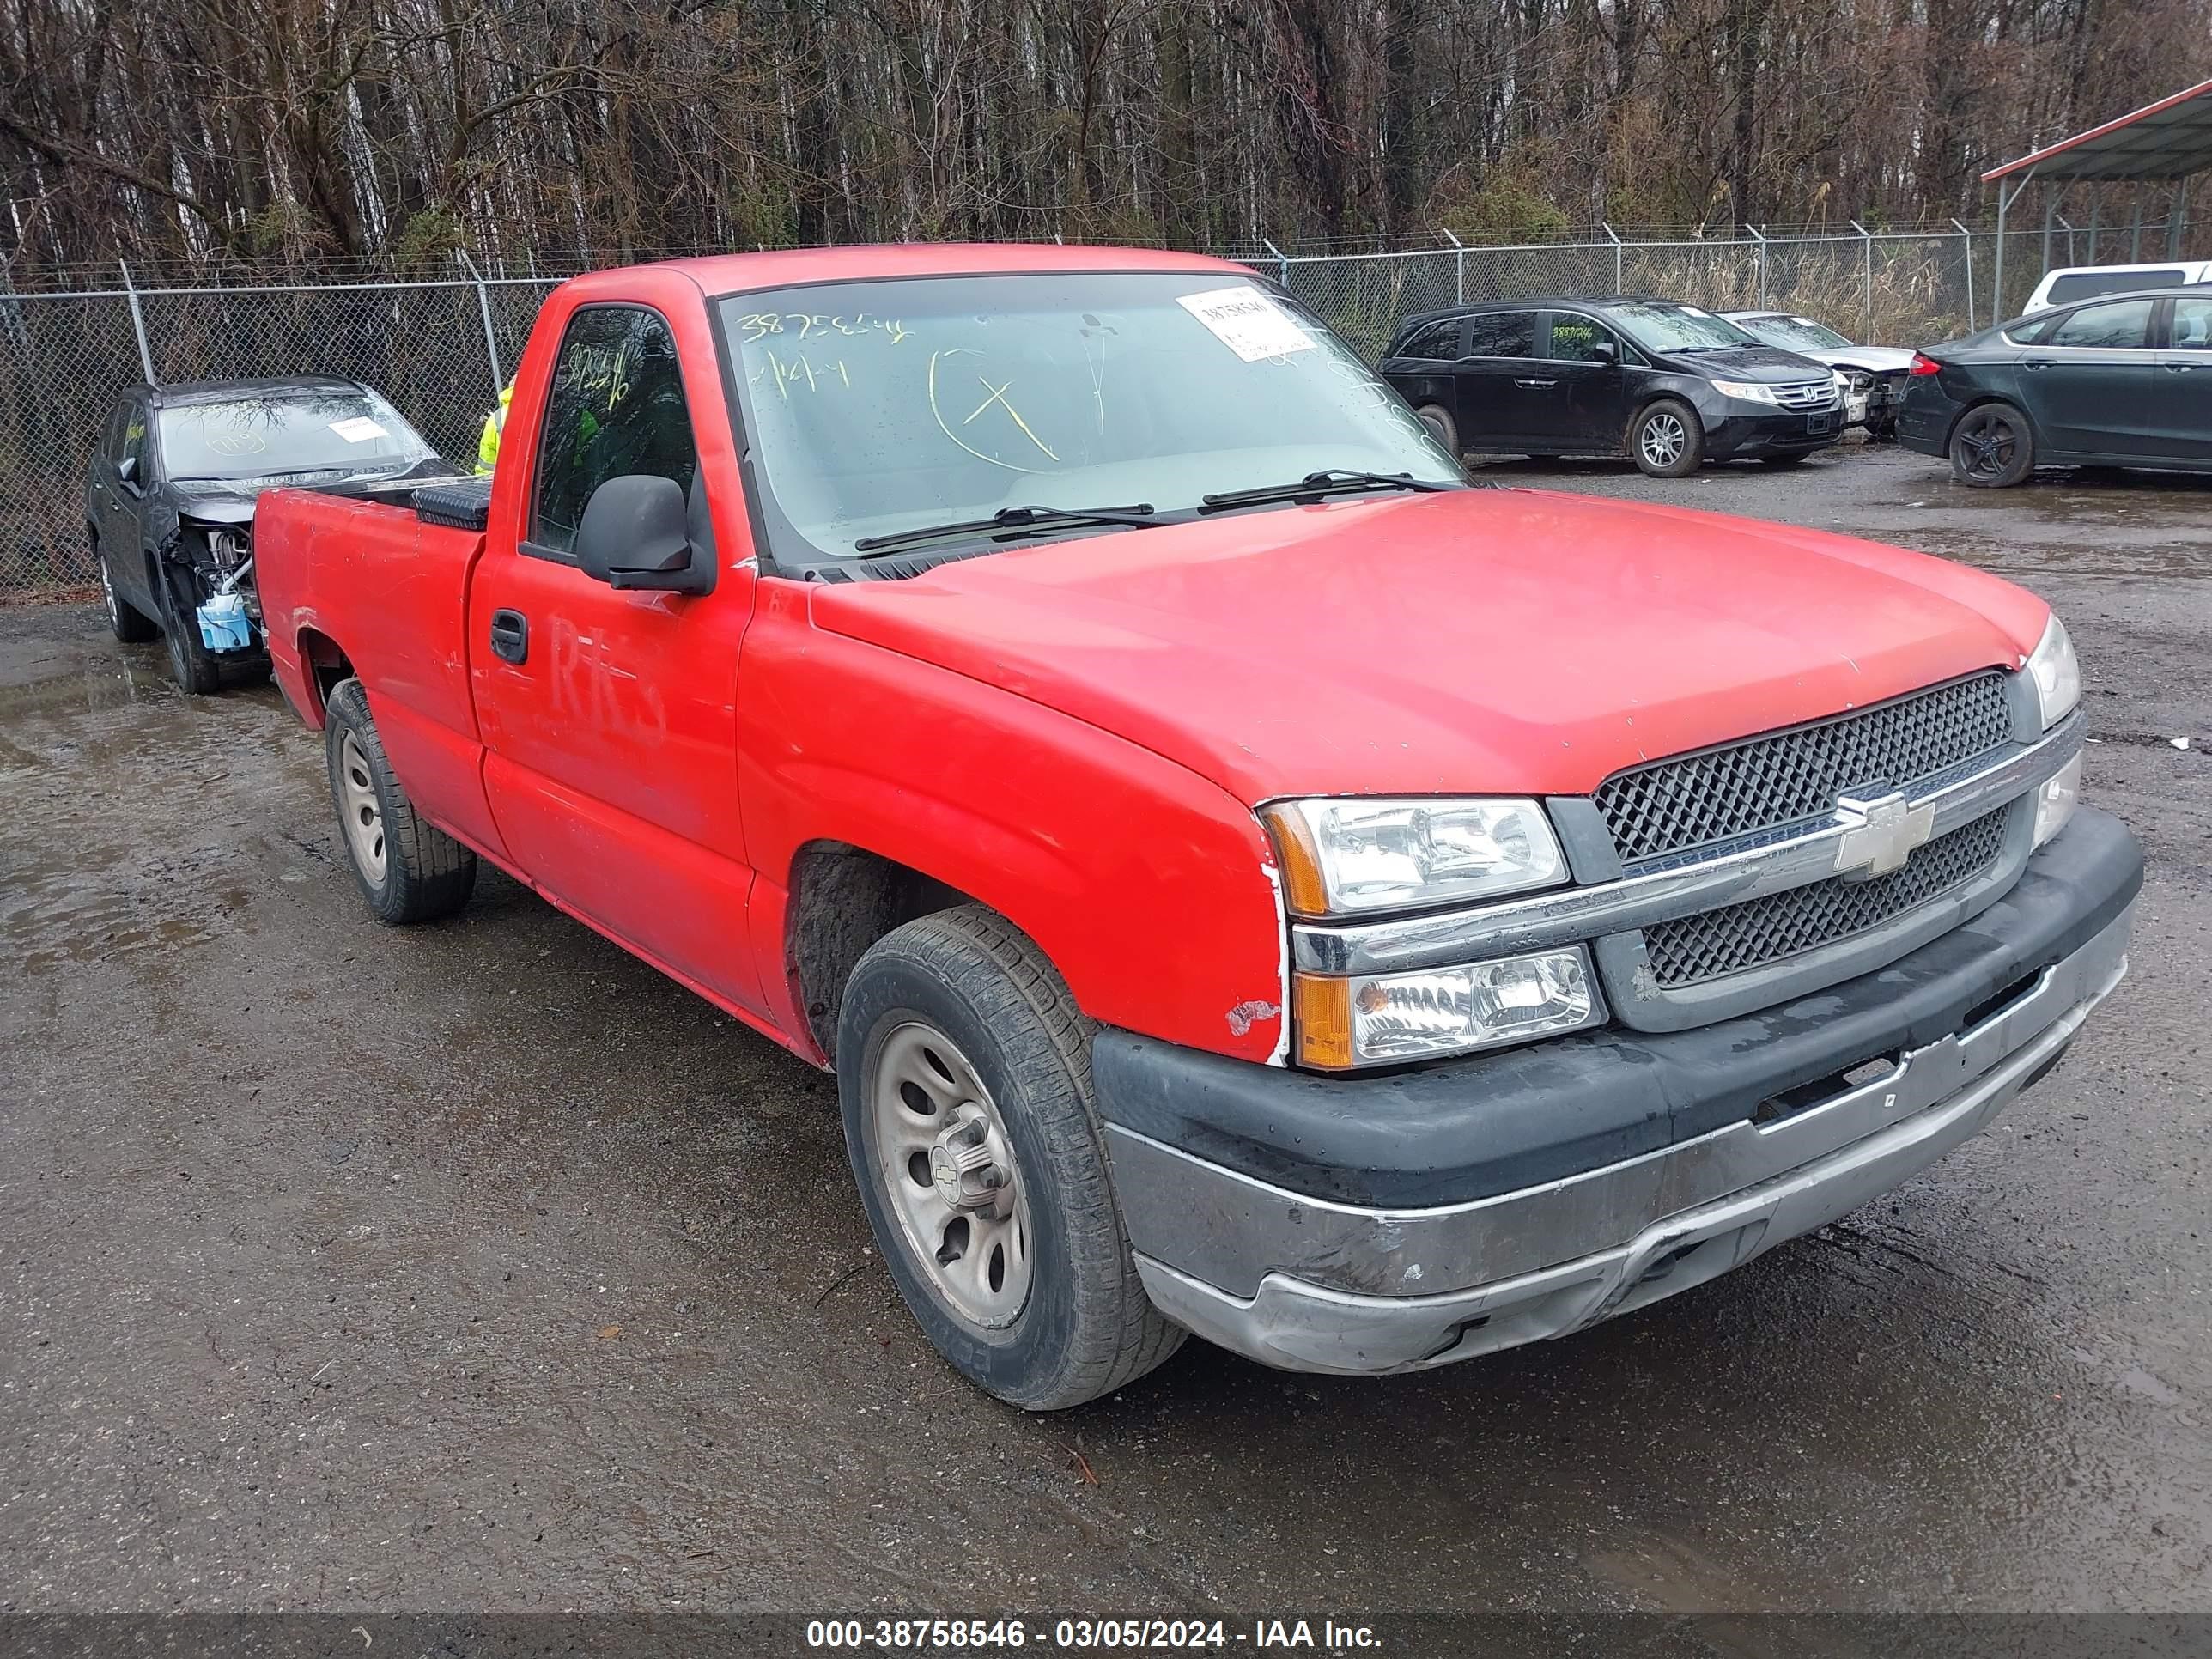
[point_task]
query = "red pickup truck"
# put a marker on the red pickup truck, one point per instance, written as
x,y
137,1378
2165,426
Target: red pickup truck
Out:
x,y
1247,879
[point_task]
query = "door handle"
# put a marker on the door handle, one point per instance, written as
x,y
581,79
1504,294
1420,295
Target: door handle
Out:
x,y
510,636
1535,383
2180,368
2036,362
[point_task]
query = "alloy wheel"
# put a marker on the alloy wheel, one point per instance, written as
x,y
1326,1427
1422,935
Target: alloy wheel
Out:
x,y
1663,439
1986,443
948,1168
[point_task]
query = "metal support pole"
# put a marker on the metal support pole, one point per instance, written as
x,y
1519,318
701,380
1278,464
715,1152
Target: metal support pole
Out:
x,y
138,324
1618,285
1868,236
484,309
1459,269
2096,213
2066,225
2173,225
1967,242
1282,264
1754,230
2134,234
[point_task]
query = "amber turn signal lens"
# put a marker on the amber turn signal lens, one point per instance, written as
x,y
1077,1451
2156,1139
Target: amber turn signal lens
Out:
x,y
1299,859
1323,1010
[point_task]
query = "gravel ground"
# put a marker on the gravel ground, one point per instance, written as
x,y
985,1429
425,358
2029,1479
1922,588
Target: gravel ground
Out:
x,y
477,1267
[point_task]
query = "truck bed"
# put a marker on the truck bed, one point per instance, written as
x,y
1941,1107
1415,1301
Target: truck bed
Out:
x,y
355,583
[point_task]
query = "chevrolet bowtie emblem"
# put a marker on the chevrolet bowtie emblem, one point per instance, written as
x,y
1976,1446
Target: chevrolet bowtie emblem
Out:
x,y
1887,831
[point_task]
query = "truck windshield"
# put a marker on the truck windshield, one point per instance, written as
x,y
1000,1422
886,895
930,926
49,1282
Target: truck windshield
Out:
x,y
1660,325
1795,333
341,430
878,407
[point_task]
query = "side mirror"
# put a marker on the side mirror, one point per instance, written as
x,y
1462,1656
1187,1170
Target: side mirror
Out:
x,y
126,471
635,535
1604,351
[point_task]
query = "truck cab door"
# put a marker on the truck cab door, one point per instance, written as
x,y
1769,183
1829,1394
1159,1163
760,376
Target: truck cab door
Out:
x,y
610,717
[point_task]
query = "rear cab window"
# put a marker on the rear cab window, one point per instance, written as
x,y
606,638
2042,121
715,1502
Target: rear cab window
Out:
x,y
616,407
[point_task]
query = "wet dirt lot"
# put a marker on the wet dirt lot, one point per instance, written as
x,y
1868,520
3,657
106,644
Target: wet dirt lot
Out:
x,y
479,1268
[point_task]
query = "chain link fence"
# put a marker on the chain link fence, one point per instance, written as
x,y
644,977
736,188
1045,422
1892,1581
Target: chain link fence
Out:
x,y
439,349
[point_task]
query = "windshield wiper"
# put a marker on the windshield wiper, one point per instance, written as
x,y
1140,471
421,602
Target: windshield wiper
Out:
x,y
1329,481
1010,518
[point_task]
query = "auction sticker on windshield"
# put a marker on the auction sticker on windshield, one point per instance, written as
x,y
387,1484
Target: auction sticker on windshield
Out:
x,y
1248,322
360,430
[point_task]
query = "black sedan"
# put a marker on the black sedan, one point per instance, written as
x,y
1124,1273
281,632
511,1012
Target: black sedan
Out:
x,y
169,501
2119,380
1667,384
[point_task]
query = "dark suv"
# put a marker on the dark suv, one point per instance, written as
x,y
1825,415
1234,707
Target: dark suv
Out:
x,y
1667,384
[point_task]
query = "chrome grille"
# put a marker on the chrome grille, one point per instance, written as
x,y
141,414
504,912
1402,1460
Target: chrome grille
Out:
x,y
1673,805
1807,394
1765,931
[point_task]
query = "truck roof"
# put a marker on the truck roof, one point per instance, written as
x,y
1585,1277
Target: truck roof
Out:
x,y
741,273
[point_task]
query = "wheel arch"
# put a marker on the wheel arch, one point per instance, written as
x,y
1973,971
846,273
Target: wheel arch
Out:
x,y
323,664
1983,399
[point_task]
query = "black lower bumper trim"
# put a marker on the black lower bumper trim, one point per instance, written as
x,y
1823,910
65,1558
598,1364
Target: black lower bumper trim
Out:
x,y
1466,1130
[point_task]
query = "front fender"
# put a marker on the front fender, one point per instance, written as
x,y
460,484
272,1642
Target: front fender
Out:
x,y
1152,891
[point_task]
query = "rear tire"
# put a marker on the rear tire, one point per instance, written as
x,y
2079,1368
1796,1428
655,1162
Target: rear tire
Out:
x,y
1666,440
196,670
129,623
1992,447
409,870
964,1073
1441,427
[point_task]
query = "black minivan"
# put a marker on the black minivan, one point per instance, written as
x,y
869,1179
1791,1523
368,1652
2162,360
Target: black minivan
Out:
x,y
1667,384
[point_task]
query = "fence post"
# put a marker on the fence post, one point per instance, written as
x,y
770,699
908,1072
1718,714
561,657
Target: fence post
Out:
x,y
1282,264
1459,269
1966,241
138,324
1868,236
1754,230
1608,230
483,310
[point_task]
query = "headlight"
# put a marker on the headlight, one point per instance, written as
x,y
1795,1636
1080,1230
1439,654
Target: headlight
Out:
x,y
1750,391
2056,801
1378,1018
2056,673
1353,857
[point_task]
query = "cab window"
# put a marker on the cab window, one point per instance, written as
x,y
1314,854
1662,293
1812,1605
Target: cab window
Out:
x,y
1570,338
1502,334
1436,342
2118,326
616,407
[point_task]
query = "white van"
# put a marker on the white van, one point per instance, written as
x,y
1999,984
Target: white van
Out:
x,y
2070,282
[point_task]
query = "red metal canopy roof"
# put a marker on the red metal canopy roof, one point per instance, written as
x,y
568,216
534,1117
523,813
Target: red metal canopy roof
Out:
x,y
2169,139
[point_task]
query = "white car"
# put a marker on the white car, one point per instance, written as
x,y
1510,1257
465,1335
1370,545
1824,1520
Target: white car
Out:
x,y
1870,378
2066,284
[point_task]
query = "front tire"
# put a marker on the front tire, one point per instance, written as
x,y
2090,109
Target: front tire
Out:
x,y
127,622
1667,440
197,673
408,869
964,1073
1992,447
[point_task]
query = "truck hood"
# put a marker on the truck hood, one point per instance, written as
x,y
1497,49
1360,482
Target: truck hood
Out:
x,y
1478,641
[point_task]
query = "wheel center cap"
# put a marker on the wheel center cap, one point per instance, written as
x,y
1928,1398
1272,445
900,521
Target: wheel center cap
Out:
x,y
964,1169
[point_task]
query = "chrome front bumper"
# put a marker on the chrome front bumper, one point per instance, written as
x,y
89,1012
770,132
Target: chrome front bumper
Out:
x,y
1342,1288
